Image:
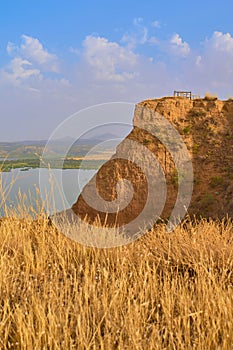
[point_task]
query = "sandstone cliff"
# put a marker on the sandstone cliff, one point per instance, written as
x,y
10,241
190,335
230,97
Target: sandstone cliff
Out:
x,y
205,126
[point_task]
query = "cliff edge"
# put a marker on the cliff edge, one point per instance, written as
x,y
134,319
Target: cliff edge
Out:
x,y
206,128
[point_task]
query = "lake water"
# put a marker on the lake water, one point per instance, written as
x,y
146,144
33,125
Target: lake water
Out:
x,y
32,187
6,158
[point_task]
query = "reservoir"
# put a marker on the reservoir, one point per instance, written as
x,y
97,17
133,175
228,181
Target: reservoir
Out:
x,y
23,191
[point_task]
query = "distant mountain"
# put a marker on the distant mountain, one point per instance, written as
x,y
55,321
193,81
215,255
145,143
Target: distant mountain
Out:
x,y
89,137
105,137
33,148
63,140
15,144
95,139
30,142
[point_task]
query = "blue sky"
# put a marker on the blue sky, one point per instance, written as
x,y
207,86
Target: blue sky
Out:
x,y
57,57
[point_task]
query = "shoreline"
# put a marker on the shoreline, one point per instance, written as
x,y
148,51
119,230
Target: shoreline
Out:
x,y
70,163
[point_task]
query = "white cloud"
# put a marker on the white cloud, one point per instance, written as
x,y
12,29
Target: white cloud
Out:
x,y
34,50
11,48
217,54
135,38
222,42
31,49
211,68
139,34
103,70
178,46
20,70
109,60
198,60
30,63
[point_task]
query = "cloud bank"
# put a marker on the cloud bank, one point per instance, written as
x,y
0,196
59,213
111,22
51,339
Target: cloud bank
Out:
x,y
45,88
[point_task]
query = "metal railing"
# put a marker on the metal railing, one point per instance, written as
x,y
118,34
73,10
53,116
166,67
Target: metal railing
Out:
x,y
186,94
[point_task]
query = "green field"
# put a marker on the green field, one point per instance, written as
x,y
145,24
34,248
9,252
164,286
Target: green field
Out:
x,y
27,155
26,164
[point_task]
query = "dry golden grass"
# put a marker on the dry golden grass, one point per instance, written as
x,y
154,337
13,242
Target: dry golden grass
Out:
x,y
164,291
210,97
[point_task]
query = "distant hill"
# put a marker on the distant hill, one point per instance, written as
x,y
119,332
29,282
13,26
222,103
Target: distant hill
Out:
x,y
33,148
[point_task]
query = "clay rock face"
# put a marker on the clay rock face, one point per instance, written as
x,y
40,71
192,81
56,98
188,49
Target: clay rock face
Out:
x,y
145,163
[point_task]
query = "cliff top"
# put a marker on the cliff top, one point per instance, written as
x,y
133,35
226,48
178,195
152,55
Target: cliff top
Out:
x,y
197,102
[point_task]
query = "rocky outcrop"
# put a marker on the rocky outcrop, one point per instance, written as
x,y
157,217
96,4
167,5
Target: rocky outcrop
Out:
x,y
206,128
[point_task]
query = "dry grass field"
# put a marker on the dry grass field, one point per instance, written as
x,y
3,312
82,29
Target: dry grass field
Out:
x,y
164,291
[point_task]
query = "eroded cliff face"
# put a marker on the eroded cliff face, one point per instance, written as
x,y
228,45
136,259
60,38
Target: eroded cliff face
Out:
x,y
206,128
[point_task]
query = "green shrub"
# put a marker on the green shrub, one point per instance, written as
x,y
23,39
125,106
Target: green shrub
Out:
x,y
195,148
146,142
187,129
208,200
200,112
216,181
